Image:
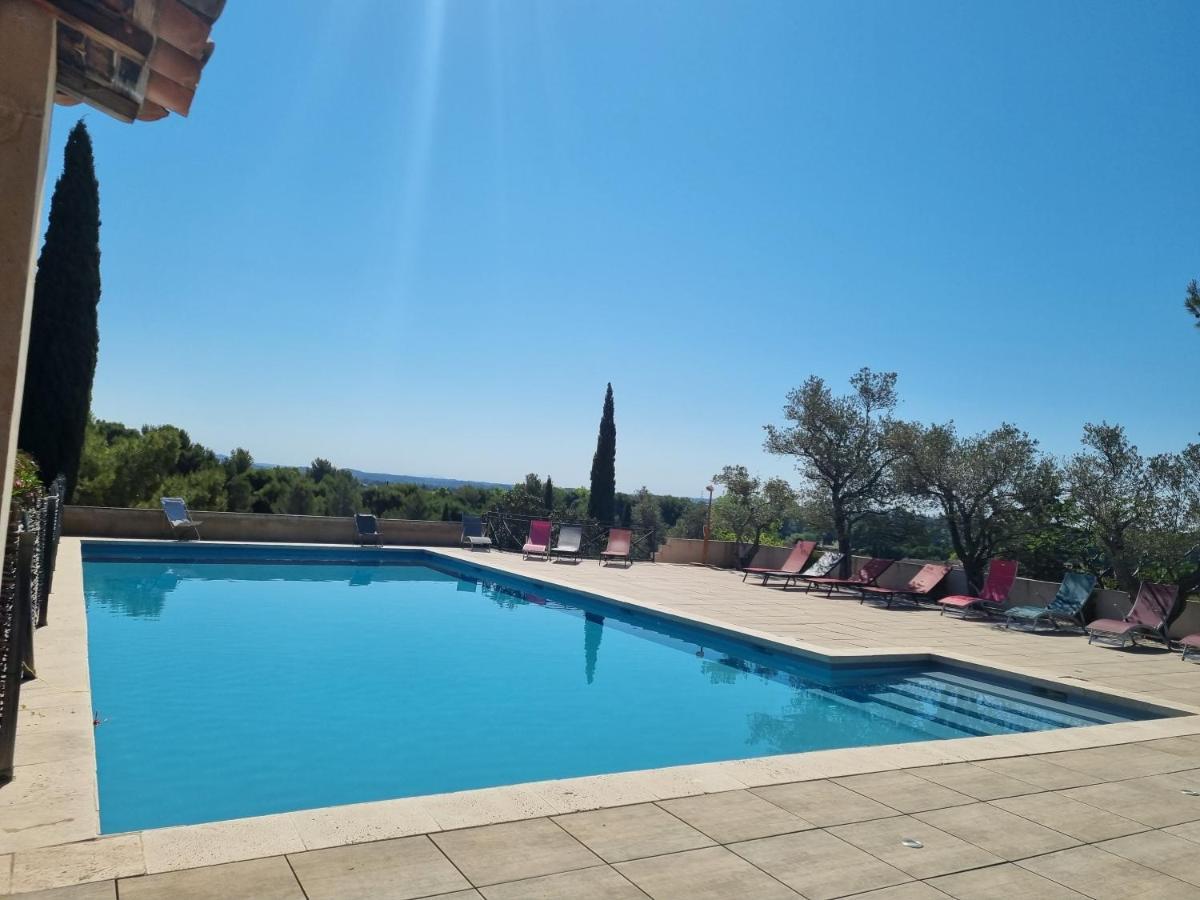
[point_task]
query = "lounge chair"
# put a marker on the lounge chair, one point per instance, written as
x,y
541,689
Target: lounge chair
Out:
x,y
867,575
620,541
820,569
368,529
1067,605
472,533
178,518
920,585
791,567
1150,616
570,538
1000,577
1189,645
538,543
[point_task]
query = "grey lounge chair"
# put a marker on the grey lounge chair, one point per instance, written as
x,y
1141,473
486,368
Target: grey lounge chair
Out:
x,y
570,538
177,516
368,530
1150,616
472,533
1067,605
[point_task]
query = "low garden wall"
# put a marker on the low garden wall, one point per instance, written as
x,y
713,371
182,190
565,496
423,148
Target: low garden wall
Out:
x,y
102,521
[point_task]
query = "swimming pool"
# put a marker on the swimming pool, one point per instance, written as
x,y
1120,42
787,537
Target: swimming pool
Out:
x,y
237,681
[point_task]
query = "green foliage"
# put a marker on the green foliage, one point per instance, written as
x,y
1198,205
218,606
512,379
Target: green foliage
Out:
x,y
1192,301
841,446
984,486
751,510
602,498
27,484
63,334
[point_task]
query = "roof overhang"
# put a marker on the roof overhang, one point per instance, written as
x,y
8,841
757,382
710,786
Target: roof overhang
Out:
x,y
133,59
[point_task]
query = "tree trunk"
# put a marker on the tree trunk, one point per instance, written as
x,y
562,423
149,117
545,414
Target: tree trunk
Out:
x,y
841,528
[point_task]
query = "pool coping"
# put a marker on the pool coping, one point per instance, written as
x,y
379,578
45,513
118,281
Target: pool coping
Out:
x,y
29,863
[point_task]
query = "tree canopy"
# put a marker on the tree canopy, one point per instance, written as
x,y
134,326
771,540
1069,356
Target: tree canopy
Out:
x,y
842,448
64,338
602,496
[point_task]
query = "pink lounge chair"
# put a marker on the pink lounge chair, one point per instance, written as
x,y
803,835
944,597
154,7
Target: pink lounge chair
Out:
x,y
867,575
920,585
1150,616
620,542
538,543
791,567
1002,573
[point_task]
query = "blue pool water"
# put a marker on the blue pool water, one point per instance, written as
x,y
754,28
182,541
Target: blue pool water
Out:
x,y
236,681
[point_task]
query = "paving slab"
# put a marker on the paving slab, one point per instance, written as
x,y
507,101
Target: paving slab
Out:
x,y
599,883
103,858
997,831
713,873
940,853
262,879
819,865
1105,876
1070,817
1167,853
903,791
975,781
734,816
631,832
513,851
824,802
1002,883
97,890
1039,771
401,869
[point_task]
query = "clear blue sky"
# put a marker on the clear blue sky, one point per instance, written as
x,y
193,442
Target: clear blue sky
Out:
x,y
420,237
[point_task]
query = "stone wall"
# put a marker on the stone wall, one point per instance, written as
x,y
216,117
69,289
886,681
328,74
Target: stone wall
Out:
x,y
100,521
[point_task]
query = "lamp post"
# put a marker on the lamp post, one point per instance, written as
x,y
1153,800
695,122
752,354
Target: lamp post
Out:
x,y
707,526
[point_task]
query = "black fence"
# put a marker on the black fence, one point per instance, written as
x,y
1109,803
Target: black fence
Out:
x,y
31,548
509,532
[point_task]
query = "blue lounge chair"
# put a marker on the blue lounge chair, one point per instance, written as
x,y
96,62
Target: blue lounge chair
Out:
x,y
368,529
472,533
177,516
1067,605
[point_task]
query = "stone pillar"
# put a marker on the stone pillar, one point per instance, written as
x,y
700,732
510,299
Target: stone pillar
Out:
x,y
27,74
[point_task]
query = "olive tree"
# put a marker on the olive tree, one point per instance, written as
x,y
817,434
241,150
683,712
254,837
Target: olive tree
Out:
x,y
842,448
1116,492
749,508
988,486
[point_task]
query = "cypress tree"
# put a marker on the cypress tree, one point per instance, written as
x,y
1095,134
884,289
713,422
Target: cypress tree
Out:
x,y
548,495
64,336
602,500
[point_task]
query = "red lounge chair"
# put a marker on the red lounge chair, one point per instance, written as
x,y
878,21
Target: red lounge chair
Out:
x,y
1001,575
1190,644
820,569
539,539
867,575
1149,617
920,585
620,542
791,567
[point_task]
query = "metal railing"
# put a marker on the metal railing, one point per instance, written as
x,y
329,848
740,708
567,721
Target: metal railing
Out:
x,y
30,551
509,531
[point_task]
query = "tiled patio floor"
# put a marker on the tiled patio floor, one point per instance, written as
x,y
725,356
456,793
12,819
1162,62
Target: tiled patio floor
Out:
x,y
992,836
1107,821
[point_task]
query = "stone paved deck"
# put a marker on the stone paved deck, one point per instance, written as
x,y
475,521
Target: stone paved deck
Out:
x,y
1106,823
1103,821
